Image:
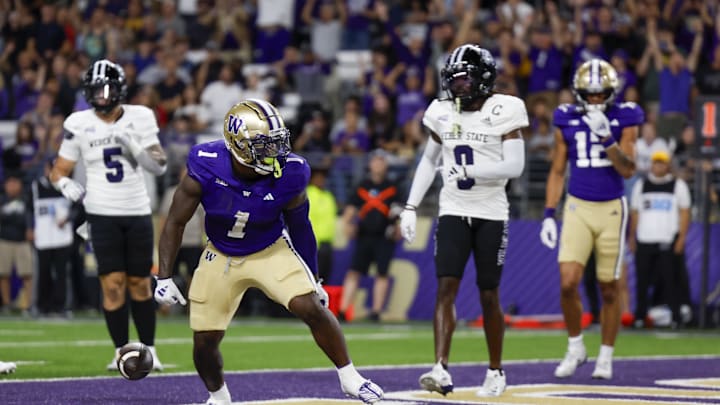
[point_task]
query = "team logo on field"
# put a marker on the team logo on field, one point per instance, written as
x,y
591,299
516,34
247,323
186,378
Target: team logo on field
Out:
x,y
209,256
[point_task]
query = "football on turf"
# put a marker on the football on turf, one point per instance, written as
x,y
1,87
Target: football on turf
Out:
x,y
135,361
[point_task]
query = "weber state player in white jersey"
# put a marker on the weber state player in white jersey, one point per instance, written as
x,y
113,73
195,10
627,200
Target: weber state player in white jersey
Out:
x,y
115,142
477,133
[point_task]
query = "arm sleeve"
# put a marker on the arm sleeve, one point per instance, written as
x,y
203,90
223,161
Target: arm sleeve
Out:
x,y
424,173
510,167
301,234
150,164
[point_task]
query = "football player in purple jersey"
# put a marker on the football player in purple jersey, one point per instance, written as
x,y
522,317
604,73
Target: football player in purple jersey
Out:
x,y
596,138
253,192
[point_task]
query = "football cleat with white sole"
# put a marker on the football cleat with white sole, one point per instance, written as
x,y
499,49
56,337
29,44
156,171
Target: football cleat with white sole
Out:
x,y
494,384
157,365
573,359
603,370
113,365
7,367
368,392
437,380
211,401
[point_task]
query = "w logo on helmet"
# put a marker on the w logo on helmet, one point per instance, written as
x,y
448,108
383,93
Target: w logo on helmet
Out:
x,y
234,124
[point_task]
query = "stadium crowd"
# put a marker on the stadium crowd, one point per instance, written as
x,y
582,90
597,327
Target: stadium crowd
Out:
x,y
349,76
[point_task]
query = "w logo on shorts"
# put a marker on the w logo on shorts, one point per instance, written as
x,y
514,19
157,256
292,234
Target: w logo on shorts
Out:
x,y
209,256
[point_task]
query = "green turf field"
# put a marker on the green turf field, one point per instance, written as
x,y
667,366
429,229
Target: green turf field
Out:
x,y
81,347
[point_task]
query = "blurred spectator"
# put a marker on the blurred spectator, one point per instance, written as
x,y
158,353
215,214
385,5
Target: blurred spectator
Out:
x,y
325,30
516,14
166,64
40,115
546,74
627,77
169,19
220,95
542,140
647,144
305,74
411,102
707,76
202,29
145,55
352,139
351,106
370,218
170,88
659,222
274,22
27,84
28,149
314,139
323,215
675,80
234,26
91,40
356,35
191,108
16,233
53,217
4,99
49,35
382,125
177,142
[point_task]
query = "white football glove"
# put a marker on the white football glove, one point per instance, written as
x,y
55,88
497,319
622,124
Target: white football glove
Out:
x,y
456,173
168,293
71,189
127,140
322,294
548,234
408,220
598,123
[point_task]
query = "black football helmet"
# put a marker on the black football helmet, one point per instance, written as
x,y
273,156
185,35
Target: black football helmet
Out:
x,y
469,73
104,85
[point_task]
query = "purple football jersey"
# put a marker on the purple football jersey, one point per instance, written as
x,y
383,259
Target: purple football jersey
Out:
x,y
592,175
241,216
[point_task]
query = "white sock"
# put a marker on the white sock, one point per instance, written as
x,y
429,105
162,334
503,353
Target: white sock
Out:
x,y
576,342
606,352
349,377
222,394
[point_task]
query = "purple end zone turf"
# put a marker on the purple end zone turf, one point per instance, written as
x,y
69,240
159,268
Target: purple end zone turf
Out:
x,y
159,389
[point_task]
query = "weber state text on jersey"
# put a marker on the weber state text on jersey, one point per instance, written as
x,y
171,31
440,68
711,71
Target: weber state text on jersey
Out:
x,y
469,137
241,216
115,182
592,175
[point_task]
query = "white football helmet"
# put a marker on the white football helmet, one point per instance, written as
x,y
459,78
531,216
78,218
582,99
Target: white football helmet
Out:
x,y
256,136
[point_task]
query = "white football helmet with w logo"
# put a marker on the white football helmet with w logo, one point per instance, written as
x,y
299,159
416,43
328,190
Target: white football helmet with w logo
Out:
x,y
256,136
